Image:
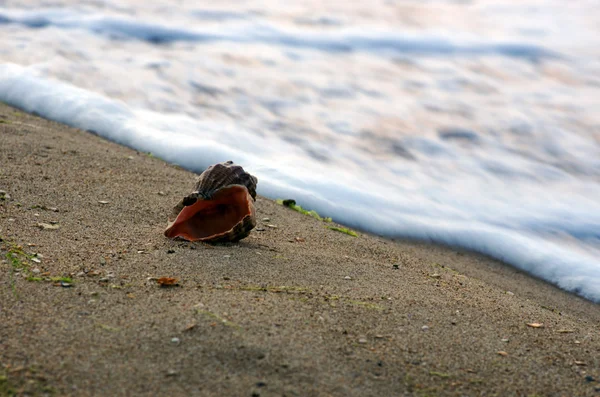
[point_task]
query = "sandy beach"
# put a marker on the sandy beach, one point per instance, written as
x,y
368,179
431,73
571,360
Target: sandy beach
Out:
x,y
295,309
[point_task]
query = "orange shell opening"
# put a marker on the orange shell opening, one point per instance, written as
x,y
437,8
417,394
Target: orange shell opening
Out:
x,y
210,219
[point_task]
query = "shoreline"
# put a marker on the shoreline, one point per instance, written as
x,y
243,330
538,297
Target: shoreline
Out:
x,y
299,309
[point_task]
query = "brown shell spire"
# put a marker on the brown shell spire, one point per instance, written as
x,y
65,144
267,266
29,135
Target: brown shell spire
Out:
x,y
220,209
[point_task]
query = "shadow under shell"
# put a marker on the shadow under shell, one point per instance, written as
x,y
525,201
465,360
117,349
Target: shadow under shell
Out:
x,y
222,218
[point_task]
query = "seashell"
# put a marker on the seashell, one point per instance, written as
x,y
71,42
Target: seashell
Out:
x,y
220,209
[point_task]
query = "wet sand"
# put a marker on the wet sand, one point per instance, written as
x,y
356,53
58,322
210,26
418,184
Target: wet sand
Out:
x,y
296,310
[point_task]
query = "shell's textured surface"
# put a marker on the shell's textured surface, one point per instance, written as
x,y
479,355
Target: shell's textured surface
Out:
x,y
221,207
224,174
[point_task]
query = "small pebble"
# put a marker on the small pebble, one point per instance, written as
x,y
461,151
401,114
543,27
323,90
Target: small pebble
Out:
x,y
505,340
509,293
435,275
266,219
36,260
226,256
172,372
36,270
11,219
65,285
425,328
362,340
175,340
347,278
161,193
103,202
272,226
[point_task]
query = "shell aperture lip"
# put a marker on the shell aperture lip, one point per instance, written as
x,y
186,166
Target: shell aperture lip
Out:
x,y
216,219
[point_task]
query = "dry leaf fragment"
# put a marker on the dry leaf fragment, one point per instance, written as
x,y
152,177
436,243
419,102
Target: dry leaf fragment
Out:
x,y
580,363
535,325
503,353
190,327
167,282
565,331
103,201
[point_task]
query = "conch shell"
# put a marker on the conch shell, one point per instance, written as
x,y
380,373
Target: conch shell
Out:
x,y
220,209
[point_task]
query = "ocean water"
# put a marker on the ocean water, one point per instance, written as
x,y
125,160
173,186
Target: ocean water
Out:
x,y
469,123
